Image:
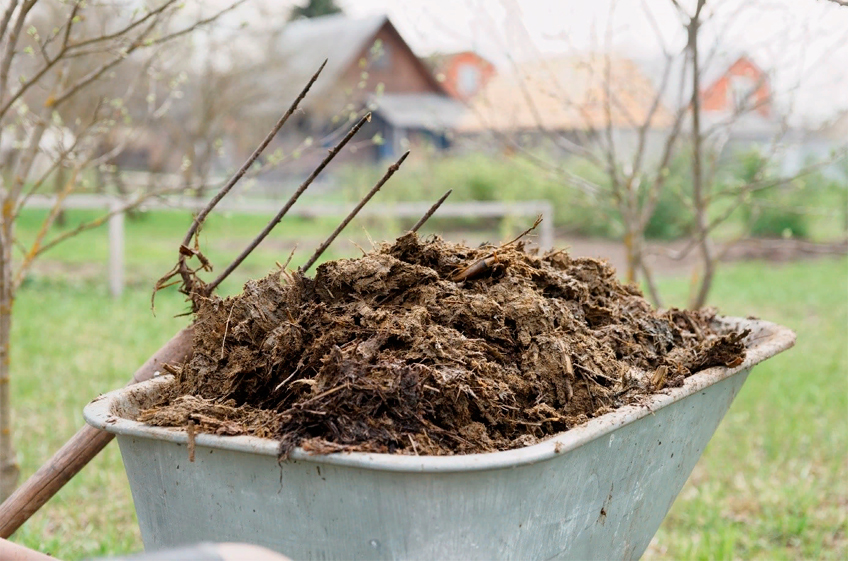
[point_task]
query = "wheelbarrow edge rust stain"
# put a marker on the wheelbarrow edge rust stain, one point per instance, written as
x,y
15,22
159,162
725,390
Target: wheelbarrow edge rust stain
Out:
x,y
597,491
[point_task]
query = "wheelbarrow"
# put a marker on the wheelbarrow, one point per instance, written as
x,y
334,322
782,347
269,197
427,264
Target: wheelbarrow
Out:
x,y
597,491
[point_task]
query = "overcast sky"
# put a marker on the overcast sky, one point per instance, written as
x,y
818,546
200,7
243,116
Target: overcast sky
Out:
x,y
806,39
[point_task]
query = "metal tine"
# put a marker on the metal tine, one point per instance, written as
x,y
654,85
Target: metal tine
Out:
x,y
389,172
198,220
431,211
293,199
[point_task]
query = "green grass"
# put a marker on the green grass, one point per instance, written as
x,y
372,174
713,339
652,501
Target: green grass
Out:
x,y
152,238
773,483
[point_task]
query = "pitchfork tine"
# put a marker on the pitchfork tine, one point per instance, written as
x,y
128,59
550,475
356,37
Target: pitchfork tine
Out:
x,y
293,199
198,220
188,277
430,212
392,169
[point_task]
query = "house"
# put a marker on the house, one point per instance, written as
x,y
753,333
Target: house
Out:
x,y
567,96
369,66
462,74
741,87
738,109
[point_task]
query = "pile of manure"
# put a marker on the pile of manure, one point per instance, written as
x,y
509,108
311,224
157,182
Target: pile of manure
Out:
x,y
428,347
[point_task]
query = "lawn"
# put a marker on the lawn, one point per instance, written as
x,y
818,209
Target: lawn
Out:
x,y
151,241
772,484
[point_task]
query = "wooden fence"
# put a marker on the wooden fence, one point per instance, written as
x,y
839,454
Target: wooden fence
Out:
x,y
477,209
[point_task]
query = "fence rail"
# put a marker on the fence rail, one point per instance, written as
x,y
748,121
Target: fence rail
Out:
x,y
480,209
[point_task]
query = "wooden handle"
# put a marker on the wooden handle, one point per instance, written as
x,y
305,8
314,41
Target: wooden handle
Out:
x,y
80,449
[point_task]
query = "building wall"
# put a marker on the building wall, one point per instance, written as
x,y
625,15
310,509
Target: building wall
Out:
x,y
327,119
719,96
397,68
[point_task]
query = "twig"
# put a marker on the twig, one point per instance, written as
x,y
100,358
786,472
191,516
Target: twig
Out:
x,y
392,169
227,329
191,442
431,211
326,393
131,205
596,374
286,264
293,199
482,265
45,226
524,233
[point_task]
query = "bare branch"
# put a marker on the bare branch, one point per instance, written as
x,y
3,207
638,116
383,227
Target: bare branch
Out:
x,y
662,168
610,149
131,205
652,21
698,194
199,23
11,43
140,41
642,132
33,251
653,292
7,17
742,194
56,163
122,32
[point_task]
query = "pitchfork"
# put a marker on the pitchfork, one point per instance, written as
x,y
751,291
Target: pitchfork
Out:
x,y
88,441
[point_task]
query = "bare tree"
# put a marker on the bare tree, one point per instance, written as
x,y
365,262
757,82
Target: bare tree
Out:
x,y
219,90
66,71
635,179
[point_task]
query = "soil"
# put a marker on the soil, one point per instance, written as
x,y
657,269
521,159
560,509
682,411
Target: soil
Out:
x,y
429,347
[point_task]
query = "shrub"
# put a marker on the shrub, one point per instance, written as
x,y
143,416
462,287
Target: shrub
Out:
x,y
479,177
775,211
672,218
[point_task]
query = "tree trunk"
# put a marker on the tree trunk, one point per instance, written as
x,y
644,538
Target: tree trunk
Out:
x,y
58,186
698,195
9,470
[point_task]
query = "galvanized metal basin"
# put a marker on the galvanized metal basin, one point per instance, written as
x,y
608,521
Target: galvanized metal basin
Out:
x,y
598,491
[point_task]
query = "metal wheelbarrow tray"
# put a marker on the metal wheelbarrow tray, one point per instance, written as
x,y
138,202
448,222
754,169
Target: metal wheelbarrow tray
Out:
x,y
597,491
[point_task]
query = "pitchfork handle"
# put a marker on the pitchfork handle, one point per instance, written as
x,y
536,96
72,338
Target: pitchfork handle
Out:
x,y
80,449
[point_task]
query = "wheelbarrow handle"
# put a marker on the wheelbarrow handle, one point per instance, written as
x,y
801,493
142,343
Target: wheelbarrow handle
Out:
x,y
80,449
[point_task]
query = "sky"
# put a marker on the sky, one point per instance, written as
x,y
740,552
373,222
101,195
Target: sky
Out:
x,y
804,43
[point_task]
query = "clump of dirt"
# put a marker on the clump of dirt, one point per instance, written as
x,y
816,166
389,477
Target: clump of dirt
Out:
x,y
429,347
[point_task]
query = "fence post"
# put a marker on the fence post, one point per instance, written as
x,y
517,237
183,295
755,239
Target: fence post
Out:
x,y
116,249
546,230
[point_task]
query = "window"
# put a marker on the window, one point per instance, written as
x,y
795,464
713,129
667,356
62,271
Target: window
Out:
x,y
381,55
468,80
741,90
